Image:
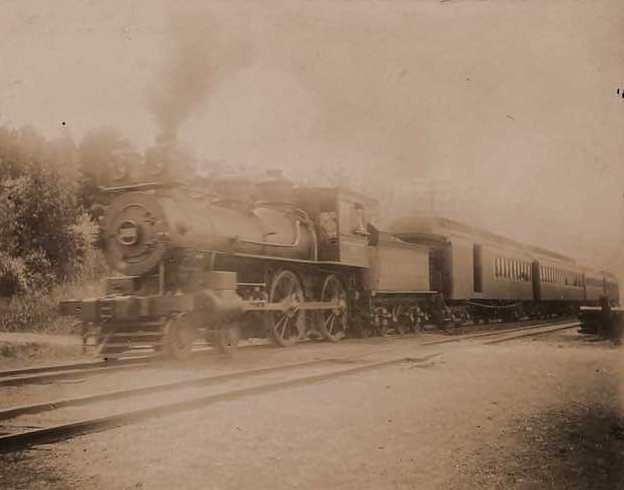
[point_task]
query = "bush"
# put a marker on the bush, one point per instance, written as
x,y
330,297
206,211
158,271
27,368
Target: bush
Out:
x,y
34,311
45,257
38,310
40,244
13,276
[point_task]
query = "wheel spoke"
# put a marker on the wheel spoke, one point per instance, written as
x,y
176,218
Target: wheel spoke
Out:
x,y
283,331
334,320
327,320
280,326
332,324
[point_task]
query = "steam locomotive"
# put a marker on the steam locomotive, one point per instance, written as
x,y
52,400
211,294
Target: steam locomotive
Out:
x,y
229,258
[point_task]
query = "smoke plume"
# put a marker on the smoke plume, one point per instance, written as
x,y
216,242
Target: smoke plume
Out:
x,y
198,57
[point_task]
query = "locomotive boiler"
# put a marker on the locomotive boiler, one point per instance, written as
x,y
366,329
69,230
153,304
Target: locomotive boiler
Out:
x,y
152,224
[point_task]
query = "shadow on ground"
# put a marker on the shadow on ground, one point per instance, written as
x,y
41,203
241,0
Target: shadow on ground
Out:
x,y
578,447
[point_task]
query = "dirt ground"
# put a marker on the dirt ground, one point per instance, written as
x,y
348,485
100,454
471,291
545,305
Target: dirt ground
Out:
x,y
532,414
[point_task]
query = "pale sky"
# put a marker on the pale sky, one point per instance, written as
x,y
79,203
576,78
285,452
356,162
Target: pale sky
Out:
x,y
509,106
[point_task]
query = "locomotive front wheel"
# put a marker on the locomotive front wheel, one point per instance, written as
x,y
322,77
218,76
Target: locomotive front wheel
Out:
x,y
226,339
334,322
287,326
178,339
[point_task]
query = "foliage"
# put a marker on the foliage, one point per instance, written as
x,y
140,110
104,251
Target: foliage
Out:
x,y
38,310
47,192
33,311
39,245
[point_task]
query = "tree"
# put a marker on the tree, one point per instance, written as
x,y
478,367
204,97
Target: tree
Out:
x,y
39,244
101,152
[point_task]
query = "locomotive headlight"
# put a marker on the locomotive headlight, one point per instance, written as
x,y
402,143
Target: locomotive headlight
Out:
x,y
128,233
131,230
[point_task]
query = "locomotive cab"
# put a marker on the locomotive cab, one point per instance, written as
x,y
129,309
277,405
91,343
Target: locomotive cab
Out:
x,y
342,217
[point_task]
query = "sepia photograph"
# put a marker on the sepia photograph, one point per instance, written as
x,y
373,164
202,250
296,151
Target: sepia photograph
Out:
x,y
311,244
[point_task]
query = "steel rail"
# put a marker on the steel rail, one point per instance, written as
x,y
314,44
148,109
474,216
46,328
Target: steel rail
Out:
x,y
532,334
63,367
68,373
21,440
71,371
117,394
15,377
492,333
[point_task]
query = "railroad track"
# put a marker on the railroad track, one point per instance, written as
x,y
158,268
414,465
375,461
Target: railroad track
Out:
x,y
59,419
538,331
48,374
59,424
528,330
66,371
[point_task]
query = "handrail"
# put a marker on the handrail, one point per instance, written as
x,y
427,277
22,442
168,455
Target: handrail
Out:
x,y
132,187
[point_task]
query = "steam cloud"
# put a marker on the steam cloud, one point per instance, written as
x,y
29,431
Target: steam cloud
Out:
x,y
198,57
